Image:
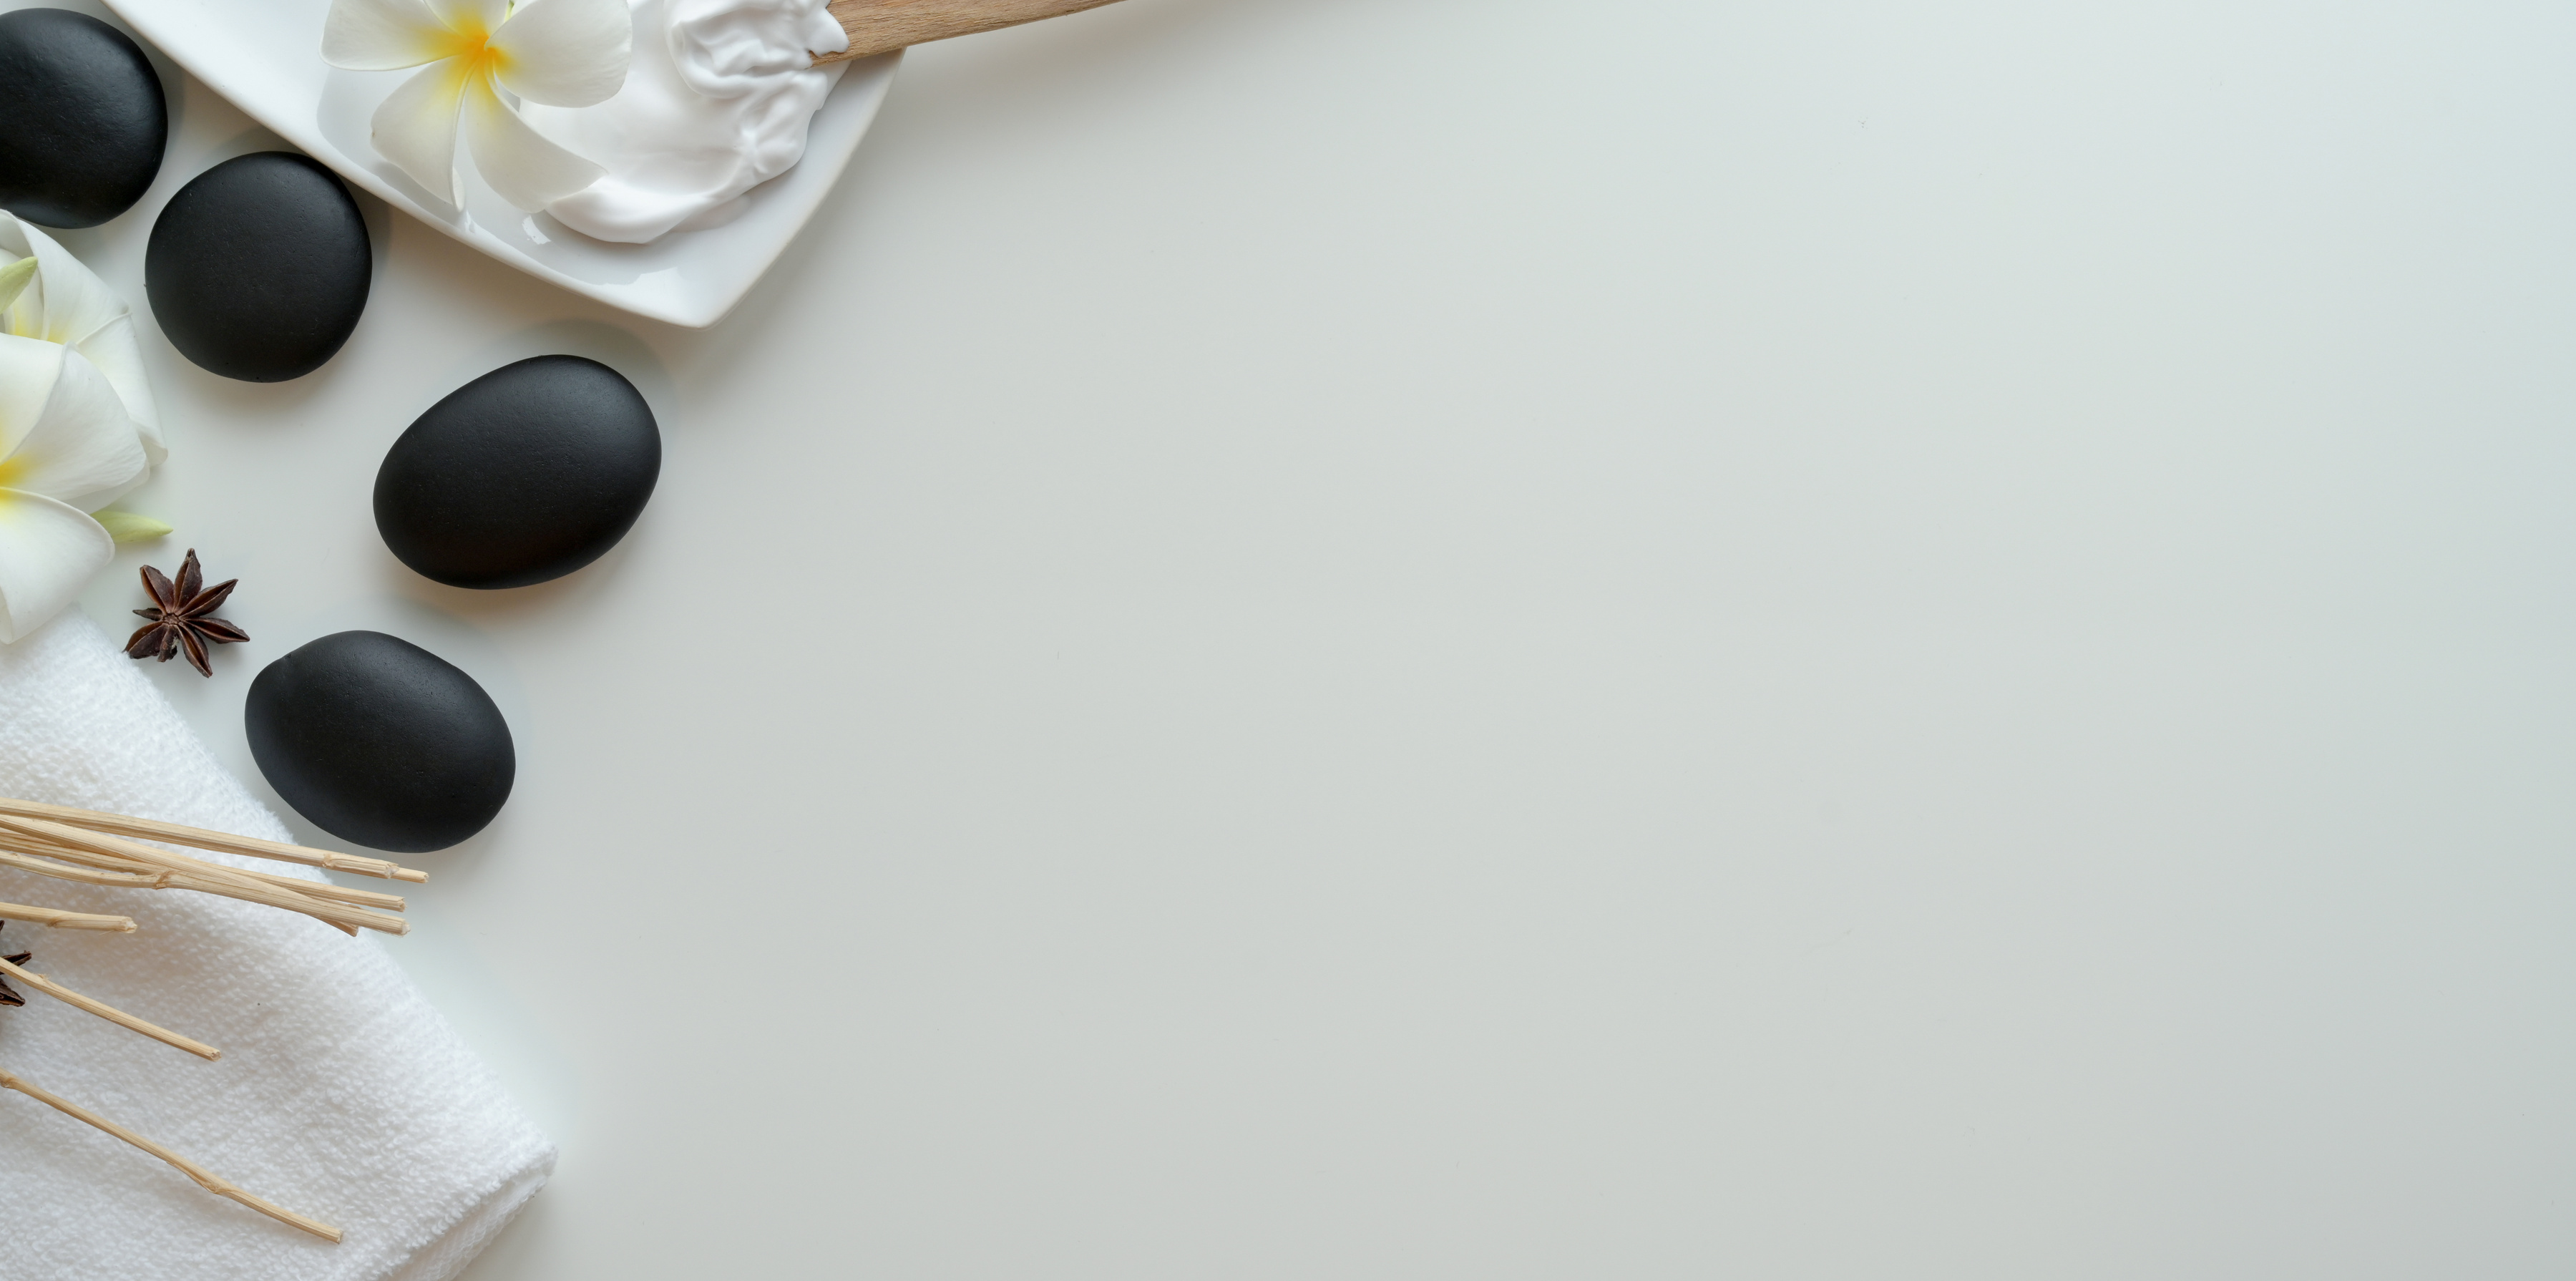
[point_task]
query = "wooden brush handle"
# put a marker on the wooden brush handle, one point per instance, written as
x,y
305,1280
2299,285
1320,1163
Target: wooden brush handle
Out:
x,y
883,26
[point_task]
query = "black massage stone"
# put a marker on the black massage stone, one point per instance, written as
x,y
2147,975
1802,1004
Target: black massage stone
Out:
x,y
258,268
522,475
82,120
381,742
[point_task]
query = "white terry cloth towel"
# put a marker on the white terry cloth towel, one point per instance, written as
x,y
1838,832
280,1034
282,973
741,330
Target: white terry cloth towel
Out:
x,y
341,1095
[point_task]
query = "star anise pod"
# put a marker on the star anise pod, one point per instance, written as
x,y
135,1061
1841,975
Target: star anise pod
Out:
x,y
8,997
182,616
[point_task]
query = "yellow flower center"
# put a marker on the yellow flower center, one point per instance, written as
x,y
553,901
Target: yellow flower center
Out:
x,y
471,43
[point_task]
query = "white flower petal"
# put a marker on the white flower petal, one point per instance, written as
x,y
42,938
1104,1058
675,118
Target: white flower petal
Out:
x,y
565,53
67,302
14,280
83,449
383,35
522,166
68,441
119,356
416,128
29,367
472,17
48,552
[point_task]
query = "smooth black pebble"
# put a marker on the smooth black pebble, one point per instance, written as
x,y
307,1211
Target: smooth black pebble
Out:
x,y
522,475
381,742
258,268
82,119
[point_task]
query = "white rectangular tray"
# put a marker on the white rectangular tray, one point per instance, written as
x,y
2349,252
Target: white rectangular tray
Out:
x,y
266,56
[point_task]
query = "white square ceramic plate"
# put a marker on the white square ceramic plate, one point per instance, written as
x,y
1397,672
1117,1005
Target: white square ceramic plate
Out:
x,y
266,56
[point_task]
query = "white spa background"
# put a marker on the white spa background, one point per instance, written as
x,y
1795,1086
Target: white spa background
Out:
x,y
1474,638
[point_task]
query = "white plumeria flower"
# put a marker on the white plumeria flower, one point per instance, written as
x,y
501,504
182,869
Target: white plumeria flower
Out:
x,y
563,53
68,443
67,303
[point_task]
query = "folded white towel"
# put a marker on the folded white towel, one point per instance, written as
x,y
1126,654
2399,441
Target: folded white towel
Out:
x,y
340,1095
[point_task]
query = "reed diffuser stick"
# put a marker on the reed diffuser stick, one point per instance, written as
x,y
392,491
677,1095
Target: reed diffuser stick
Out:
x,y
204,1178
339,917
151,879
316,889
145,829
115,853
62,920
326,890
108,1012
110,853
86,876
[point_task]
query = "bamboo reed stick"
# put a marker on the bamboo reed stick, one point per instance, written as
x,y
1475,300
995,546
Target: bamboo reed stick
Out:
x,y
183,872
108,853
321,890
146,829
46,859
62,920
203,1177
86,876
161,880
15,853
109,1012
117,863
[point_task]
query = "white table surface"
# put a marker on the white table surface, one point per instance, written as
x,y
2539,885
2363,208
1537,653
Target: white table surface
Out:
x,y
1482,639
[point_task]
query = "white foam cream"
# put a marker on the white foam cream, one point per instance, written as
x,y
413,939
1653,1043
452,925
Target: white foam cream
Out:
x,y
714,106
